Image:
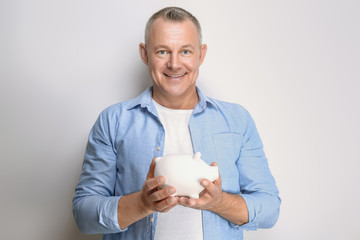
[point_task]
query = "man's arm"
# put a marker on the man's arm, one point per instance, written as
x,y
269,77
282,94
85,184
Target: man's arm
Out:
x,y
258,203
95,208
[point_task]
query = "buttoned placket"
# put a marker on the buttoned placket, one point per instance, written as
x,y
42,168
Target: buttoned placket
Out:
x,y
158,152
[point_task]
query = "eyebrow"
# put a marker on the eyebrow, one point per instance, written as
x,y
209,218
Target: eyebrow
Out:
x,y
184,46
188,46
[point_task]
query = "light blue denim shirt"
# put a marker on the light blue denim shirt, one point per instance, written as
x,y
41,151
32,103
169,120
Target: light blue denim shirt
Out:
x,y
126,137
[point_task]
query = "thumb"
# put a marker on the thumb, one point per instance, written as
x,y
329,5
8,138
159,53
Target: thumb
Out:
x,y
151,169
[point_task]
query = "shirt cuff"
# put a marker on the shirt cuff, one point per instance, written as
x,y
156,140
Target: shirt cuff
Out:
x,y
108,217
253,212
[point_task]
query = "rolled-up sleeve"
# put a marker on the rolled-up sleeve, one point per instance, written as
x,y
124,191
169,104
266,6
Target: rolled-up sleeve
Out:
x,y
94,203
258,187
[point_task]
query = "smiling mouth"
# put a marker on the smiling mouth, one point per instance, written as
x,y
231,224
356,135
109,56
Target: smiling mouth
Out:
x,y
174,75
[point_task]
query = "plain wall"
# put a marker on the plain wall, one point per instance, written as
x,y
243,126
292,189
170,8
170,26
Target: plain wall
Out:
x,y
293,64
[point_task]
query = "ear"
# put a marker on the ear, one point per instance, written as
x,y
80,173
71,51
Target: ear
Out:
x,y
143,53
203,51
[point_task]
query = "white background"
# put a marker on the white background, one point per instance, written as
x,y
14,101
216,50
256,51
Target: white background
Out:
x,y
293,64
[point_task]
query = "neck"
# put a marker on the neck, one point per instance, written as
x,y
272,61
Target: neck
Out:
x,y
186,101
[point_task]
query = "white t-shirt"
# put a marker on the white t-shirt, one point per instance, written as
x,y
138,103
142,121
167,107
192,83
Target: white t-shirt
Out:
x,y
180,222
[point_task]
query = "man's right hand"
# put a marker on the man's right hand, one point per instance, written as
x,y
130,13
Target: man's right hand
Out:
x,y
151,198
154,198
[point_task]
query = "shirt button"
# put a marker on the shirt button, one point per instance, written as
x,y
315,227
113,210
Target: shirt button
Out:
x,y
158,148
151,219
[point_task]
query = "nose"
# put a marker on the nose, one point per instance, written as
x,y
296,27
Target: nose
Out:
x,y
174,62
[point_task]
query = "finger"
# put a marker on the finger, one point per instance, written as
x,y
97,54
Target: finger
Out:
x,y
162,194
153,183
188,202
167,204
151,169
183,201
171,206
210,187
217,182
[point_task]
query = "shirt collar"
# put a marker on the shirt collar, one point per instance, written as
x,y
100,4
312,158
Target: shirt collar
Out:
x,y
144,100
204,101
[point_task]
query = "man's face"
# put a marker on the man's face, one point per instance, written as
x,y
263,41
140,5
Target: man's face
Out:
x,y
173,55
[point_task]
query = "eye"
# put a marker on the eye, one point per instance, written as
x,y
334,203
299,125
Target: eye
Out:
x,y
162,52
186,52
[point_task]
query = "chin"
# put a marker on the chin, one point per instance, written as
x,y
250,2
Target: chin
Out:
x,y
175,93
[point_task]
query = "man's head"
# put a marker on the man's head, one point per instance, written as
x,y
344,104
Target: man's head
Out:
x,y
173,53
173,14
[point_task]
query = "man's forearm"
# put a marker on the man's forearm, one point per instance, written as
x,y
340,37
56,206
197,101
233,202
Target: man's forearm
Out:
x,y
232,208
131,210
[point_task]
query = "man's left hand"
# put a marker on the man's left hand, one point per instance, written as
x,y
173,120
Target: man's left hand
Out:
x,y
211,197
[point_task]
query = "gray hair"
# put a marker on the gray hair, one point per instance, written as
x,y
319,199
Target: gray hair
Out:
x,y
174,14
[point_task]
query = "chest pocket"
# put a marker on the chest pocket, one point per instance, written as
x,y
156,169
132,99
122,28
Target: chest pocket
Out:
x,y
227,150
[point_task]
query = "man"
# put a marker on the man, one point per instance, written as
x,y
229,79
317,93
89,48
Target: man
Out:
x,y
117,193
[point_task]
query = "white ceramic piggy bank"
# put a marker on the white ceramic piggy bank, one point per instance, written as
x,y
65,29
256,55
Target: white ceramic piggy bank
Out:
x,y
184,172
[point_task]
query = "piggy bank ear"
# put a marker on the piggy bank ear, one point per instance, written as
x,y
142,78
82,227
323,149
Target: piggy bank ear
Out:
x,y
197,156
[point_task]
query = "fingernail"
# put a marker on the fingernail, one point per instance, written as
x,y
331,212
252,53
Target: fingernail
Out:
x,y
161,180
205,183
171,191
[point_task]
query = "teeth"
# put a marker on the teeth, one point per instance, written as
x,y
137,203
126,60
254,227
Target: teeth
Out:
x,y
175,76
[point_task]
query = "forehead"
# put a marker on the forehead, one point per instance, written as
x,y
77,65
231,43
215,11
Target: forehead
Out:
x,y
166,31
